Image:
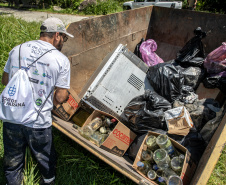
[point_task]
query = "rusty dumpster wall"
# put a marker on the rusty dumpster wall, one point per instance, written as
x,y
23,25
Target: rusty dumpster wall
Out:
x,y
172,28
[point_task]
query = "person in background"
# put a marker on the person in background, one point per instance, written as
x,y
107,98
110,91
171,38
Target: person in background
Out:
x,y
51,71
192,4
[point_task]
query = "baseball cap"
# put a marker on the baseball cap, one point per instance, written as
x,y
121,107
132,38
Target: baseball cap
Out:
x,y
54,24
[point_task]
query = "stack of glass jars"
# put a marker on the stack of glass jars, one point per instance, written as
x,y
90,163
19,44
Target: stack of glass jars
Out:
x,y
161,162
98,129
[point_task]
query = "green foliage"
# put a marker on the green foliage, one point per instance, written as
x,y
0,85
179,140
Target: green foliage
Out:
x,y
72,4
30,172
218,175
102,8
12,33
217,6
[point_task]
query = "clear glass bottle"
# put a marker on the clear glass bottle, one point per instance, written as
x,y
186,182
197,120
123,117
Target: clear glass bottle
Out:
x,y
164,142
161,158
91,127
151,174
151,143
143,166
103,130
96,137
147,155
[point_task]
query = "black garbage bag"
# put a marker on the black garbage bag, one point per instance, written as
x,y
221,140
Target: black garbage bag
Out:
x,y
193,49
216,81
195,144
146,112
211,126
137,49
166,80
192,75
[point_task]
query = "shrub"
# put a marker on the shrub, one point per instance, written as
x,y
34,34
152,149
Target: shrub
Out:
x,y
102,8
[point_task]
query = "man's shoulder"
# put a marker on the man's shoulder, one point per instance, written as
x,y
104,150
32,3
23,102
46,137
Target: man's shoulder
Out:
x,y
58,55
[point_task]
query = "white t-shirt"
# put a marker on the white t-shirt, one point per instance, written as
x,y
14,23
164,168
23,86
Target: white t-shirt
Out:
x,y
51,70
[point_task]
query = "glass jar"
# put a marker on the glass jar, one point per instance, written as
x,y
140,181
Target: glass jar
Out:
x,y
161,158
147,155
164,142
151,143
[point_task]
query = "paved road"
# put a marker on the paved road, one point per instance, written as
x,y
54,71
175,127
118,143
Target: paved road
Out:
x,y
30,16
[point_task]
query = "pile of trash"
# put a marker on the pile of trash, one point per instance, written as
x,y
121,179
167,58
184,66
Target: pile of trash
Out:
x,y
173,108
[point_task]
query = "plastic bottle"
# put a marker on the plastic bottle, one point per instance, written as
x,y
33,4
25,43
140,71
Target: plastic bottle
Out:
x,y
151,175
164,142
143,166
91,127
151,143
161,158
147,155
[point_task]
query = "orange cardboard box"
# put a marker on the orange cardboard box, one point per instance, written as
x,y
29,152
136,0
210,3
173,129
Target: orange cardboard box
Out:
x,y
119,139
66,110
189,166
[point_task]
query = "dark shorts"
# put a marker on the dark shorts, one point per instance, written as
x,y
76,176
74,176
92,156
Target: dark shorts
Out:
x,y
15,139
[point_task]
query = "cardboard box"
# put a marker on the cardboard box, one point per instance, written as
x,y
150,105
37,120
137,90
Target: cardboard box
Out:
x,y
119,139
189,166
66,110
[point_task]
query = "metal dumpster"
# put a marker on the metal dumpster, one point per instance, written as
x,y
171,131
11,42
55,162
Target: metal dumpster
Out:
x,y
95,38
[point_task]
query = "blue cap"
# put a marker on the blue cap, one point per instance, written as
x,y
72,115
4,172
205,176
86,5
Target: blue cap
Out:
x,y
161,179
155,167
140,164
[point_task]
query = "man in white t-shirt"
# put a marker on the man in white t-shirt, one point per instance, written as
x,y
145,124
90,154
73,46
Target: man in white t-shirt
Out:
x,y
51,71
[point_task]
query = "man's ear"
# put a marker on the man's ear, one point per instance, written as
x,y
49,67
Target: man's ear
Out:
x,y
57,36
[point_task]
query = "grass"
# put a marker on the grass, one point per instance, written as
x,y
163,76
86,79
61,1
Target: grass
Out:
x,y
75,164
101,8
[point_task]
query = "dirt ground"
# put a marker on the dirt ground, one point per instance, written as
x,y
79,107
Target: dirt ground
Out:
x,y
30,16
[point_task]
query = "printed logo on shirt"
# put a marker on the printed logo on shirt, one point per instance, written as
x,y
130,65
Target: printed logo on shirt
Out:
x,y
46,75
41,92
12,91
22,67
36,50
33,80
44,64
35,72
12,102
42,83
38,102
